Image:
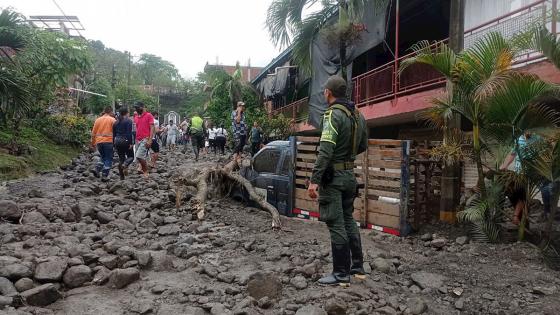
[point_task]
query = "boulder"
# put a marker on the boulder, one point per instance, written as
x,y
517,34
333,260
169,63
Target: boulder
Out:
x,y
462,240
335,307
120,278
416,306
101,276
24,284
77,276
7,288
5,300
51,270
34,217
299,282
110,261
311,310
9,210
42,295
15,271
105,217
264,284
428,280
381,265
170,229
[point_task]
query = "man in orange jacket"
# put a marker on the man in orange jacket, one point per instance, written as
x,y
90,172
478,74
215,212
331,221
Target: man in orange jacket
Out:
x,y
102,139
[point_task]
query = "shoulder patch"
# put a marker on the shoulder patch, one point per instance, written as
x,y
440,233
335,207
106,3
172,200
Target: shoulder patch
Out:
x,y
329,133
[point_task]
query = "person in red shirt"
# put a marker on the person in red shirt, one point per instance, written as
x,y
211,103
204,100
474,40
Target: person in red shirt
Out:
x,y
145,132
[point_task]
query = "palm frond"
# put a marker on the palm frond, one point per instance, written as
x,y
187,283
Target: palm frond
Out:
x,y
10,24
283,18
437,55
305,35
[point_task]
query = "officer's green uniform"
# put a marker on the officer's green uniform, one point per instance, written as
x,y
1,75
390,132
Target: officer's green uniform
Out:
x,y
344,135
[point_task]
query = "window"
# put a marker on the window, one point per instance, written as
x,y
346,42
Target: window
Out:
x,y
286,166
266,161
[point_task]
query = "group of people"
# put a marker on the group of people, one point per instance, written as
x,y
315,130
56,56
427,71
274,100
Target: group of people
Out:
x,y
132,139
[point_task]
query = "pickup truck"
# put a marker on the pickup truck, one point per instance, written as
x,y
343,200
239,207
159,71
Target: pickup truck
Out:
x,y
271,172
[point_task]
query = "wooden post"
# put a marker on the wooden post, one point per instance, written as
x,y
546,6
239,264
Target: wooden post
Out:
x,y
365,171
404,195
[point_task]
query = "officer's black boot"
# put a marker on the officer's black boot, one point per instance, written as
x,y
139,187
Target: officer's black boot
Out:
x,y
341,265
357,255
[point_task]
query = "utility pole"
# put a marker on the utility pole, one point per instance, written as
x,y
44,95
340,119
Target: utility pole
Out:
x,y
451,174
128,80
113,84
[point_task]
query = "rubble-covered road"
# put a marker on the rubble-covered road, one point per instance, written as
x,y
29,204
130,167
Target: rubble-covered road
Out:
x,y
87,247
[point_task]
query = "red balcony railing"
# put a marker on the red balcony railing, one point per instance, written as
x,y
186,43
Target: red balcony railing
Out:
x,y
385,83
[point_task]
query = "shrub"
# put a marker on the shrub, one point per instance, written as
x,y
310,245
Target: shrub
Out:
x,y
65,129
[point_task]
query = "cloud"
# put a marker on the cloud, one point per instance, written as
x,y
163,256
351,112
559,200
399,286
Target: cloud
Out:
x,y
188,33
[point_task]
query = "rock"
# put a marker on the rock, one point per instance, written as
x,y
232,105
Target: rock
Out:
x,y
545,290
125,251
105,217
219,309
488,296
24,284
299,282
147,224
426,237
101,276
42,295
110,261
427,280
335,307
51,270
261,285
9,210
457,291
438,243
264,302
15,271
459,304
386,310
171,229
34,217
462,240
5,301
416,306
144,259
120,278
76,276
225,277
311,310
7,288
158,289
381,265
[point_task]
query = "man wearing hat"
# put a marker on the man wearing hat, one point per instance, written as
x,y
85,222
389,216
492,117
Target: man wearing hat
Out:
x,y
145,132
239,130
343,137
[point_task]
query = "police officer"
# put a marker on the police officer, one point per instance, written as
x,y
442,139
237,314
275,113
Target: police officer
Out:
x,y
344,135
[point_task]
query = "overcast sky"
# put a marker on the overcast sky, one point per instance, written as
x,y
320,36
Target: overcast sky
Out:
x,y
188,33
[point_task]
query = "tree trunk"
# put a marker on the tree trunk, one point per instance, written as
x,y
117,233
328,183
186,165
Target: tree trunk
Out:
x,y
478,161
224,178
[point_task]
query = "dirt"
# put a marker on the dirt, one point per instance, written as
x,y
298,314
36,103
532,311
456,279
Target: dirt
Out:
x,y
206,267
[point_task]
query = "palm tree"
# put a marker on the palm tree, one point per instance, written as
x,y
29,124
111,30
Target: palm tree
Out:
x,y
288,25
233,84
474,75
14,92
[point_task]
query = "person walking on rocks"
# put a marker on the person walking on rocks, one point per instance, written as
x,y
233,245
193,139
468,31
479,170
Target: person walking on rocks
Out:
x,y
344,135
124,143
172,132
221,138
155,142
196,130
102,140
145,133
239,130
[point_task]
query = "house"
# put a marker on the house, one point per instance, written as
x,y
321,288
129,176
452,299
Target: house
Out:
x,y
391,102
247,72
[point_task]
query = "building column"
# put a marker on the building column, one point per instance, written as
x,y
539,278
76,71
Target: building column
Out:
x,y
451,174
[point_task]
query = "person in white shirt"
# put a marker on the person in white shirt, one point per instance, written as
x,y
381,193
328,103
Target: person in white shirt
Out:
x,y
220,138
172,132
212,138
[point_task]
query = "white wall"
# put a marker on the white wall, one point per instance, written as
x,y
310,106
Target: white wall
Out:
x,y
480,11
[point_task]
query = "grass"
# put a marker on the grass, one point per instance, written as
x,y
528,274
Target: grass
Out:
x,y
45,155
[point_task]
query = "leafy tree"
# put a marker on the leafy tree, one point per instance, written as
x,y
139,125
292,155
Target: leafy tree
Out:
x,y
156,71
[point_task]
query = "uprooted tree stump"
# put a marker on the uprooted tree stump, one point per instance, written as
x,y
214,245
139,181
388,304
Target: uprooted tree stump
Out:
x,y
223,179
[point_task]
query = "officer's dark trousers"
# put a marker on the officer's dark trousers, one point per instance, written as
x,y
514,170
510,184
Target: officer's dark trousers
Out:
x,y
336,204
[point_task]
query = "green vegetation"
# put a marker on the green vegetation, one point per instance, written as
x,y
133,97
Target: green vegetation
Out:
x,y
43,154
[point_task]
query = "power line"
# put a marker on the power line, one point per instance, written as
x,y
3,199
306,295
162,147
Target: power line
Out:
x,y
67,19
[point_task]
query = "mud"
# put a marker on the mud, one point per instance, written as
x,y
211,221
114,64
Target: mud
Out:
x,y
233,263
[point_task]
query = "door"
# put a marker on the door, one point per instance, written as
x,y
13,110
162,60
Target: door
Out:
x,y
283,184
266,164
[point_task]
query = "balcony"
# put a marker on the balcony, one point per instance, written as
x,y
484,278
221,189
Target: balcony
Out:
x,y
384,83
